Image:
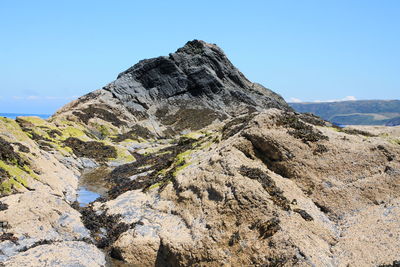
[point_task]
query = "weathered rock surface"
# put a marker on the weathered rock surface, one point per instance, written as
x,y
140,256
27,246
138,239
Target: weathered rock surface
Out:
x,y
37,189
269,195
65,254
27,166
38,217
242,180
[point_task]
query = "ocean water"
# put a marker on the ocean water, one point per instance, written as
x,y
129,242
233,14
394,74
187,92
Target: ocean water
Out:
x,y
14,115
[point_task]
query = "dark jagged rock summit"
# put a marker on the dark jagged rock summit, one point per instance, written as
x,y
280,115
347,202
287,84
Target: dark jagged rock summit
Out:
x,y
187,90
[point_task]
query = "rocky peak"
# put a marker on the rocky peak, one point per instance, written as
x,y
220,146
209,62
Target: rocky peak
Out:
x,y
187,90
198,47
197,68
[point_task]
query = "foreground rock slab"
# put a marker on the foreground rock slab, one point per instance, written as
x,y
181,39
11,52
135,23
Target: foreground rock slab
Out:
x,y
34,218
64,254
278,190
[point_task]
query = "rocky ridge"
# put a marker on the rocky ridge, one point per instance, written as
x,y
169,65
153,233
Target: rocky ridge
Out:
x,y
187,90
250,183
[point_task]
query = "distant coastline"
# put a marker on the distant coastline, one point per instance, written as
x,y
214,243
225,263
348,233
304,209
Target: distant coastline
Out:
x,y
357,112
14,115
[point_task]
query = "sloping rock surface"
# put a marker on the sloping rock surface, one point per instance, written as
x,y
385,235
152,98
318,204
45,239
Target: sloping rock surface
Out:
x,y
278,192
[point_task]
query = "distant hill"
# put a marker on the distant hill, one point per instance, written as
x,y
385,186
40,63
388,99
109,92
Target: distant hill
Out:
x,y
360,112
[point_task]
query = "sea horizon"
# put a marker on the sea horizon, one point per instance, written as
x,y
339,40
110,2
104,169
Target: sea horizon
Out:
x,y
15,115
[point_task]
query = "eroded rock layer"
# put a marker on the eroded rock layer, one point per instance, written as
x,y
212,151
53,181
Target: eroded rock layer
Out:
x,y
278,192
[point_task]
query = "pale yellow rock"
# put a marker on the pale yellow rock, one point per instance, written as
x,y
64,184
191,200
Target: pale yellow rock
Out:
x,y
334,202
214,213
64,254
36,216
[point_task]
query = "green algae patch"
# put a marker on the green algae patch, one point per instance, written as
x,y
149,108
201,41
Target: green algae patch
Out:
x,y
64,150
156,185
335,129
101,131
181,167
51,136
11,127
208,144
124,155
180,163
154,150
69,138
34,120
9,155
105,131
13,170
181,158
35,128
31,172
5,120
70,129
194,135
53,132
72,132
15,177
6,188
395,141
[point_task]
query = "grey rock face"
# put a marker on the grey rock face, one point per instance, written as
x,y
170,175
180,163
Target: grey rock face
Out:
x,y
197,69
188,89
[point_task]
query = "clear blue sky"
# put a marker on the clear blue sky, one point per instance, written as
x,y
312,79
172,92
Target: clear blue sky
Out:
x,y
53,51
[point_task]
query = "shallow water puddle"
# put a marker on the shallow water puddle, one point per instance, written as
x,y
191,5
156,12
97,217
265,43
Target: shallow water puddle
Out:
x,y
86,196
92,185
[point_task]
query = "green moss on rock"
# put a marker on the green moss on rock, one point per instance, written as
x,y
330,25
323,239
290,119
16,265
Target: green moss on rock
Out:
x,y
11,177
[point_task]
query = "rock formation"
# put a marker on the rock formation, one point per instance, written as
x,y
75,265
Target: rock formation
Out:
x,y
201,167
187,90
